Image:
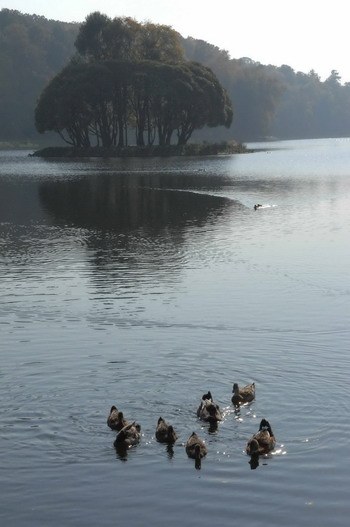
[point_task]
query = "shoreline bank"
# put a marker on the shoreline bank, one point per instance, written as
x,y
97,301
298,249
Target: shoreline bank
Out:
x,y
144,151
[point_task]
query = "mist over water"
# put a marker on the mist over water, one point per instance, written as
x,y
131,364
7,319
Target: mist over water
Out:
x,y
145,283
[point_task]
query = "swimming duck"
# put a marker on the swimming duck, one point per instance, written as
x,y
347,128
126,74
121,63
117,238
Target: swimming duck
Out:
x,y
208,410
116,420
263,441
128,436
165,433
257,206
207,396
243,395
195,448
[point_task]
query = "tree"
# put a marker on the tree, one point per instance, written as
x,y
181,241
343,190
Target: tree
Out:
x,y
32,50
103,100
122,38
206,103
91,42
255,89
160,43
334,78
62,109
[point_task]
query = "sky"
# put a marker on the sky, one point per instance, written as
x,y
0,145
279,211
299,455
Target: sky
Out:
x,y
305,34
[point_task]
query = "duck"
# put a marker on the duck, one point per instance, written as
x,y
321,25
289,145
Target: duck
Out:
x,y
208,410
195,448
243,395
257,206
116,420
207,396
263,441
128,436
165,433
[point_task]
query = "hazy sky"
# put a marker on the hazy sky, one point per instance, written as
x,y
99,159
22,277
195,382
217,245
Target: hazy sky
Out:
x,y
305,34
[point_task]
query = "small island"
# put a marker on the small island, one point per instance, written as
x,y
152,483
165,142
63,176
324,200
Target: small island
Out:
x,y
190,149
130,92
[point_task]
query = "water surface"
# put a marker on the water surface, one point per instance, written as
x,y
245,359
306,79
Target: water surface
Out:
x,y
144,283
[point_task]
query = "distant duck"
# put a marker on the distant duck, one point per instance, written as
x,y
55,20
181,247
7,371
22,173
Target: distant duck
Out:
x,y
243,395
116,420
165,433
263,441
257,206
196,449
128,436
208,410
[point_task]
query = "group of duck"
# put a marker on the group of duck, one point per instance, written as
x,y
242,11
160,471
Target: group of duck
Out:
x,y
129,433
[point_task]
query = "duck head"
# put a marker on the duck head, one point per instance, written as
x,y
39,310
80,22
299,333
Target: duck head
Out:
x,y
265,425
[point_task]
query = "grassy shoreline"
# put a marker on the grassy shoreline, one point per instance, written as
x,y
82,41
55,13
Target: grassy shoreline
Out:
x,y
190,149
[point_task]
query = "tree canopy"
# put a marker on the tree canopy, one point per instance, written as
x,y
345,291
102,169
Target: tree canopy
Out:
x,y
103,101
123,38
130,76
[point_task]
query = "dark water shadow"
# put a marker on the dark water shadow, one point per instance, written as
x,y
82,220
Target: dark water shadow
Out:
x,y
132,222
123,203
198,464
213,427
170,450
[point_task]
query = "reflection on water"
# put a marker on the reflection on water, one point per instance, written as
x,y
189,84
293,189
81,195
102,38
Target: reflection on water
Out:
x,y
131,221
254,462
122,451
146,283
170,451
127,203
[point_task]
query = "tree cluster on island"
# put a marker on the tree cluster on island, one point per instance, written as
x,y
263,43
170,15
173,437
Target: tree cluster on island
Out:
x,y
130,79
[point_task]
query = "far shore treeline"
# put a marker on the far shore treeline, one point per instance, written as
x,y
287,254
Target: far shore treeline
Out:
x,y
138,69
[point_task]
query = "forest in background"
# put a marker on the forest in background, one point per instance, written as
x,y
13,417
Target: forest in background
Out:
x,y
268,101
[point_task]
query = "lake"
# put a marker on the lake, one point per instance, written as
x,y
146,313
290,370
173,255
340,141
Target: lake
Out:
x,y
145,283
